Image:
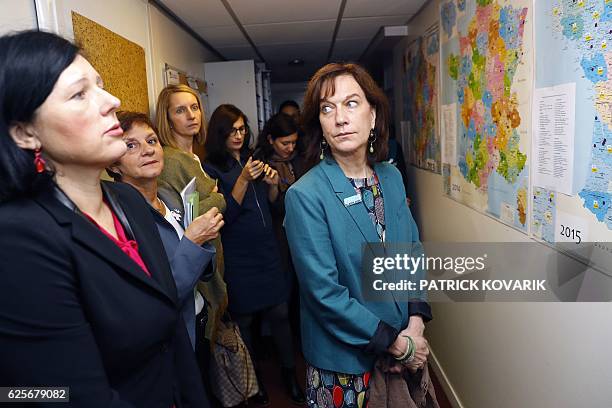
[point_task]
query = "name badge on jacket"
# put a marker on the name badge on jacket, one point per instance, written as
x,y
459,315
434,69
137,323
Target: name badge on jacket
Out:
x,y
352,200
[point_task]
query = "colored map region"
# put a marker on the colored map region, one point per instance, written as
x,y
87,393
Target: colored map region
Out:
x,y
597,192
421,61
543,222
448,17
486,74
574,37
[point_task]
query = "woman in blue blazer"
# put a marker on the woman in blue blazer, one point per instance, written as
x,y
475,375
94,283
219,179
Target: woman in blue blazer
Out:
x,y
87,299
347,199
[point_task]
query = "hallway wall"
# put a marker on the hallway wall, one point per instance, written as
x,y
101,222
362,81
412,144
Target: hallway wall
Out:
x,y
20,15
139,22
171,44
505,355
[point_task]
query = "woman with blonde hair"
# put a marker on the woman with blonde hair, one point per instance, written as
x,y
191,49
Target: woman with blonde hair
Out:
x,y
194,136
180,124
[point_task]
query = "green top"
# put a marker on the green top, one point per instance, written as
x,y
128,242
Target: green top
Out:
x,y
179,169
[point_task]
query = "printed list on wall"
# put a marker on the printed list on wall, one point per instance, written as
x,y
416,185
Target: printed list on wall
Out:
x,y
573,40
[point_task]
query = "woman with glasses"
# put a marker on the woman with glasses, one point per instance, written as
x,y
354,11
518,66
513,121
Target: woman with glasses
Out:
x,y
181,130
348,201
256,282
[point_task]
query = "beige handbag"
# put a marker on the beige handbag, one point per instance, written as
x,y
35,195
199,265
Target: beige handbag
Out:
x,y
232,372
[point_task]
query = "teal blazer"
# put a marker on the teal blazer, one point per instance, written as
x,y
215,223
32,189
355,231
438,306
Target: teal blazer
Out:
x,y
326,238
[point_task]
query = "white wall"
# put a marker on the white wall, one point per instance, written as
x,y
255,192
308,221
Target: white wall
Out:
x,y
506,355
17,15
174,46
127,18
139,22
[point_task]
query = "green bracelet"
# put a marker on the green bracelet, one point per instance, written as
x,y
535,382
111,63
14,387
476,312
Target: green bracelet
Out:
x,y
409,353
412,349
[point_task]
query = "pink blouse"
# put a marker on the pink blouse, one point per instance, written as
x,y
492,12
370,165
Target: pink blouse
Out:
x,y
128,246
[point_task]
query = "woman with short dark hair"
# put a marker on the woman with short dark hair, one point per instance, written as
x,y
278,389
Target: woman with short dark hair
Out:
x,y
87,300
187,246
277,143
290,108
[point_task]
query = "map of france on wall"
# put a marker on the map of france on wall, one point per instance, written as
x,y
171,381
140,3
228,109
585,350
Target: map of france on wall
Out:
x,y
421,61
486,72
573,45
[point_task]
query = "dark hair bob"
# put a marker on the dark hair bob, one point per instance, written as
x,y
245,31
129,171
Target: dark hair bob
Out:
x,y
320,86
220,126
30,64
279,125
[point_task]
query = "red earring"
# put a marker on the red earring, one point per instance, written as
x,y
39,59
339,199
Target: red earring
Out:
x,y
39,162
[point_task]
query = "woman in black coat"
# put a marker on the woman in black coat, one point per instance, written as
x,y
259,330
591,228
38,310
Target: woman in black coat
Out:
x,y
87,300
256,282
278,143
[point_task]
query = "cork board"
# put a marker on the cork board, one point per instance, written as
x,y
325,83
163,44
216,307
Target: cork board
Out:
x,y
120,62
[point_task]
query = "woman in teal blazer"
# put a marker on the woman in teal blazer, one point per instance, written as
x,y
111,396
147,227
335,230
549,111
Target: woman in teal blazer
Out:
x,y
347,199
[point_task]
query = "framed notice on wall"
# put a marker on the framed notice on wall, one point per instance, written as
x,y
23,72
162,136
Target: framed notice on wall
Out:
x,y
175,76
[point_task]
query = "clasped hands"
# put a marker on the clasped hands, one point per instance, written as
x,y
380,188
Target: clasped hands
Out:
x,y
415,330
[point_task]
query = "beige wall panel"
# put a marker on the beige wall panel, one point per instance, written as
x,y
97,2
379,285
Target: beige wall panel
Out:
x,y
120,62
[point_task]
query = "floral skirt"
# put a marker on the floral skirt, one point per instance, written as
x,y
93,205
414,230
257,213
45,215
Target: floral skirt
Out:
x,y
328,389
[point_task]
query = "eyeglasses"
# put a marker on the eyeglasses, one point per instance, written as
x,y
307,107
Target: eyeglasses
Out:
x,y
242,130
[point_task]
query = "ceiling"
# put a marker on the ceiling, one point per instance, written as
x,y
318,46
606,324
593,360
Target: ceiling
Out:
x,y
275,31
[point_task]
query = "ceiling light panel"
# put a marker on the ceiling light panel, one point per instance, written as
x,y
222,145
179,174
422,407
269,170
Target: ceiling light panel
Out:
x,y
310,52
200,13
370,8
289,33
274,11
367,27
226,36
